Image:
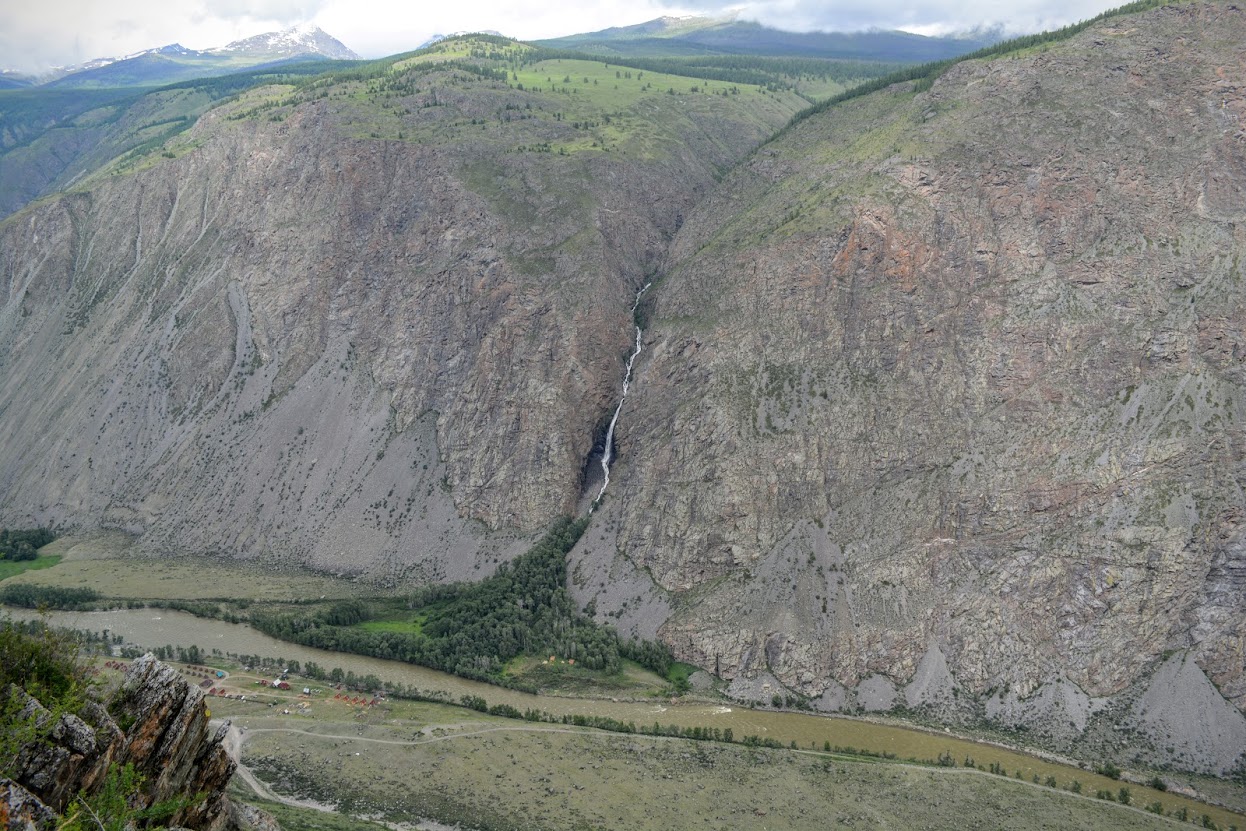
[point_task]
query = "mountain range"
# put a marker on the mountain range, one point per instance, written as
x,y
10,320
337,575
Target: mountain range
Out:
x,y
174,62
697,36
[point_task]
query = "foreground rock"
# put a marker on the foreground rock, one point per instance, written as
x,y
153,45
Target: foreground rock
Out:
x,y
166,739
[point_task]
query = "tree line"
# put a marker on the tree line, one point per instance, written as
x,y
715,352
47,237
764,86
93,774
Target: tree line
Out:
x,y
17,545
50,597
474,629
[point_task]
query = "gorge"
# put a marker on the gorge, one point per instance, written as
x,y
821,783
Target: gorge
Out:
x,y
938,404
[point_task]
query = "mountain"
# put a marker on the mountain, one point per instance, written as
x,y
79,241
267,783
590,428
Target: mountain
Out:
x,y
696,36
293,42
173,63
14,80
946,383
460,253
939,404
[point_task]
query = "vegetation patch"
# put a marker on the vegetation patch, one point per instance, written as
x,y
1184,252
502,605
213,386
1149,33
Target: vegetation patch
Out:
x,y
10,568
17,546
475,630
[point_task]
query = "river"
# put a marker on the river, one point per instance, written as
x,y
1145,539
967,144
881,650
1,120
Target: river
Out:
x,y
150,628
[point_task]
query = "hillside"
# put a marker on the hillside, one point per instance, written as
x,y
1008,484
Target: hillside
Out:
x,y
968,399
52,137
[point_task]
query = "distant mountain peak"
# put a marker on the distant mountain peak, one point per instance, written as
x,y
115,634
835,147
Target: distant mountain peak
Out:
x,y
303,39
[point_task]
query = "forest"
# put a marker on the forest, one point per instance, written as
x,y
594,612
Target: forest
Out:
x,y
475,629
18,545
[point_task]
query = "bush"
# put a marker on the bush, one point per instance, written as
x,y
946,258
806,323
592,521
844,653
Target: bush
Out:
x,y
44,663
1109,770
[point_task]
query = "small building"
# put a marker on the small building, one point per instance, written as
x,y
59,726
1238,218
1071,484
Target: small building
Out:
x,y
283,685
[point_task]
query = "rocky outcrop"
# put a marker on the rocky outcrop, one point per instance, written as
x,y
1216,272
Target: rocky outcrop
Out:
x,y
166,740
959,369
20,810
170,742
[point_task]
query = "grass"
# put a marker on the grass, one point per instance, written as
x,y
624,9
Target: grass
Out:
x,y
563,679
12,569
410,626
679,674
492,774
107,564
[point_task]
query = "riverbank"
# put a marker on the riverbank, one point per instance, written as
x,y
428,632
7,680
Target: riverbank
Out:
x,y
153,627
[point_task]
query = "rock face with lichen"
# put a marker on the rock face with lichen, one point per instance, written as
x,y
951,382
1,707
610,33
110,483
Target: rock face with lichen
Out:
x,y
156,723
959,369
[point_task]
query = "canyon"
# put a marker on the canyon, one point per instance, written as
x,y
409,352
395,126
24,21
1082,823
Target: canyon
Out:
x,y
937,401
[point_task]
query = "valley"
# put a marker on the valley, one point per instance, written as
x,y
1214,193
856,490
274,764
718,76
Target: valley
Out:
x,y
469,744
876,413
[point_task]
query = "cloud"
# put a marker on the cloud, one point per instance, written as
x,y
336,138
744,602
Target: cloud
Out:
x,y
286,11
37,34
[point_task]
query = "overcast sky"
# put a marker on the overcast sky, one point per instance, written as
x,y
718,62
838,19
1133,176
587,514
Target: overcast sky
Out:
x,y
38,34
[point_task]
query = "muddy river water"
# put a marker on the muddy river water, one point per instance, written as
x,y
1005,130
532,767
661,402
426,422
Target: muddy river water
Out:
x,y
159,627
151,628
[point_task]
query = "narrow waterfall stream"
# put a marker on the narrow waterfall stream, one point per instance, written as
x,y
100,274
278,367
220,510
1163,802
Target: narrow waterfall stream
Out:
x,y
627,382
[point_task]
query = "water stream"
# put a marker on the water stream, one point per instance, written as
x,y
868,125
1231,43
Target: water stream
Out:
x,y
607,455
156,627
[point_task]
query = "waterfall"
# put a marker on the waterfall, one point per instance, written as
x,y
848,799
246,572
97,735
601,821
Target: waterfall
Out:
x,y
627,382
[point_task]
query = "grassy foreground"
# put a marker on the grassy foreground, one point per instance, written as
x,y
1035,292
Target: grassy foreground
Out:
x,y
442,763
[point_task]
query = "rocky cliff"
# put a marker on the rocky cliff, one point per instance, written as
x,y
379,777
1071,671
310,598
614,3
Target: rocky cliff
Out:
x,y
353,325
166,741
953,378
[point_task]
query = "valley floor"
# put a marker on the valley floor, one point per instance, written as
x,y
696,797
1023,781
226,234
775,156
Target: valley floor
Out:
x,y
402,761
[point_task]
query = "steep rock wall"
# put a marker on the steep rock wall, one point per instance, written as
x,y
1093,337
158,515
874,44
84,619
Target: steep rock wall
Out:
x,y
958,369
296,343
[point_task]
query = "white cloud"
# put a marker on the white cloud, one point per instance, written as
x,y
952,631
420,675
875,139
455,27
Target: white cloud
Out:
x,y
397,27
36,35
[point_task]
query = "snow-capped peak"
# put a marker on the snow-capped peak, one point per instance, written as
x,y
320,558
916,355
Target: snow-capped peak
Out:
x,y
303,39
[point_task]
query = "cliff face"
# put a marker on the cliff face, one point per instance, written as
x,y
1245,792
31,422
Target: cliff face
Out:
x,y
958,372
166,740
296,340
